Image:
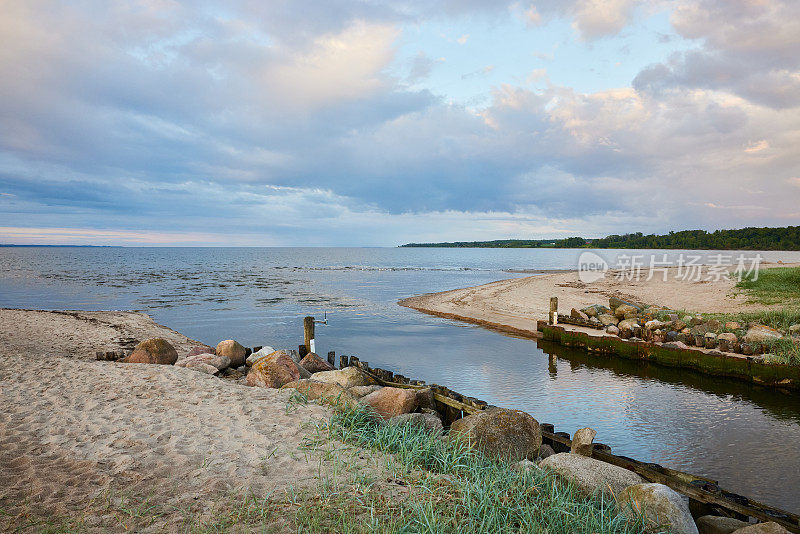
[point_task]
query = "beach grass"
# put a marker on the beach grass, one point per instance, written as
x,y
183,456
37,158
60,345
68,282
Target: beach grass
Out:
x,y
453,488
773,286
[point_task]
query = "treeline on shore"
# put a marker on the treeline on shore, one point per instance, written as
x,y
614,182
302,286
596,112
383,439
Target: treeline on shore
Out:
x,y
786,238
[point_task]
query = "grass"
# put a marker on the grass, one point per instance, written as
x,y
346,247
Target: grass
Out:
x,y
453,488
773,286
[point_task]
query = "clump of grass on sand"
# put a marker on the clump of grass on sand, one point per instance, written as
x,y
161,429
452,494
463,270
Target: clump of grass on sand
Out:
x,y
453,488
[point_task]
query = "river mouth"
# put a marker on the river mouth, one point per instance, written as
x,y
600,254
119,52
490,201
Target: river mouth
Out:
x,y
746,436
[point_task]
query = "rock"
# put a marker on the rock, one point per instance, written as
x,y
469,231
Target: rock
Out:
x,y
347,377
699,329
232,350
577,314
662,506
607,319
762,528
218,362
696,320
315,390
625,310
760,334
730,337
201,349
613,330
794,330
524,465
591,476
710,340
197,365
429,422
546,450
425,399
628,324
253,358
687,319
731,325
672,336
713,324
154,350
390,402
582,441
363,391
273,371
654,324
714,524
615,303
314,364
678,325
595,310
498,432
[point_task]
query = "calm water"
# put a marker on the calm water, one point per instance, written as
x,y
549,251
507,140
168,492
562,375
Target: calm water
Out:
x,y
745,436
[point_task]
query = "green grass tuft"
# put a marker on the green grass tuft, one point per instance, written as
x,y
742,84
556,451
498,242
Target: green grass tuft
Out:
x,y
778,285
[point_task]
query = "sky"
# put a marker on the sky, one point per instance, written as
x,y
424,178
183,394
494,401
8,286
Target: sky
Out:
x,y
368,123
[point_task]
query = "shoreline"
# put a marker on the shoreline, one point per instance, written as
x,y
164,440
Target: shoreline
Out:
x,y
515,305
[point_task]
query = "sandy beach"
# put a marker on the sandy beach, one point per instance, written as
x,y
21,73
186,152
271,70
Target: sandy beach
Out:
x,y
110,444
516,304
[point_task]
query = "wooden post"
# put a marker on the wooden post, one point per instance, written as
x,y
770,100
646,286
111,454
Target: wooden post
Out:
x,y
343,361
553,318
308,333
332,358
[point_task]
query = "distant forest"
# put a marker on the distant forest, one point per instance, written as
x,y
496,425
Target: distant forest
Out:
x,y
787,238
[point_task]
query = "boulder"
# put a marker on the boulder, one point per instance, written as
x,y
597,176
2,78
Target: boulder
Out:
x,y
769,527
201,349
314,364
595,310
661,505
625,310
363,391
577,314
232,350
582,441
154,350
729,337
347,377
389,402
711,340
628,324
760,334
427,421
314,390
713,324
714,524
591,476
253,358
654,324
613,330
696,320
196,365
731,325
615,303
508,434
794,330
273,371
219,362
607,319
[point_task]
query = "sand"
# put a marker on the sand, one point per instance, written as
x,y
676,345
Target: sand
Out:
x,y
108,443
515,305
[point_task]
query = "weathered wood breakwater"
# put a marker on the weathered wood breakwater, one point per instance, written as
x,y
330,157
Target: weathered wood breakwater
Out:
x,y
705,495
638,332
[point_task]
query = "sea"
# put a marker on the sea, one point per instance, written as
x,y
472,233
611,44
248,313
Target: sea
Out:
x,y
745,436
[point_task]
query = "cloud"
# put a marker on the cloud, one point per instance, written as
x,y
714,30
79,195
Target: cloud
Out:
x,y
287,123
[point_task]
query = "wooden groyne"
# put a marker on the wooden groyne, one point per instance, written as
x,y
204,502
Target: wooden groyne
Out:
x,y
704,494
752,368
